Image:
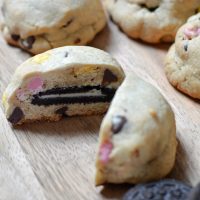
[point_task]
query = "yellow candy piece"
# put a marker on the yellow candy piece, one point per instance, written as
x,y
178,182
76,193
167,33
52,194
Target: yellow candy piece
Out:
x,y
85,69
39,59
4,98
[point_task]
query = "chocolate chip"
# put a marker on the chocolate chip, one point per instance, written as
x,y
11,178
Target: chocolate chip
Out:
x,y
15,37
77,41
28,42
16,116
62,111
118,123
167,189
108,77
150,9
68,23
195,193
185,46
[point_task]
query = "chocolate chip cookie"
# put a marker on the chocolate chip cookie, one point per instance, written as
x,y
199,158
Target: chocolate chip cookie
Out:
x,y
137,136
152,21
71,80
40,25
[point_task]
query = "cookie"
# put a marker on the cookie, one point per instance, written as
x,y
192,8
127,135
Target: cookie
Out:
x,y
67,81
166,189
38,25
137,136
152,21
182,65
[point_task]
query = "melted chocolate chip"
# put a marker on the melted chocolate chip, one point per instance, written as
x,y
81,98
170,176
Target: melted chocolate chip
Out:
x,y
195,193
185,46
167,189
77,41
15,37
16,116
62,111
118,123
68,23
28,42
108,77
152,9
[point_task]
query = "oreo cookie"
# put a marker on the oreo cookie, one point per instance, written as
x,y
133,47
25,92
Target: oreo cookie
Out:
x,y
167,189
72,95
195,193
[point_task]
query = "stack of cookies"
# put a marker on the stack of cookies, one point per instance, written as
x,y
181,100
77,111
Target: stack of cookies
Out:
x,y
137,141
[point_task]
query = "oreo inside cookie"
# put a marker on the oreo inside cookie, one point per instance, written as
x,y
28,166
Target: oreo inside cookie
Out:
x,y
167,189
71,95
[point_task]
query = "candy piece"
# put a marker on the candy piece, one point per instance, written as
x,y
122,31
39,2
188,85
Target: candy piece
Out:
x,y
21,95
105,151
35,85
167,189
192,32
118,123
108,77
16,116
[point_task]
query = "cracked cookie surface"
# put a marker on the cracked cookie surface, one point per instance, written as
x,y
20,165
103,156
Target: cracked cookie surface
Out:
x,y
182,65
37,26
152,21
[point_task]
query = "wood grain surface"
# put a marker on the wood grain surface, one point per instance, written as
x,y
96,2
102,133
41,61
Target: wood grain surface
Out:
x,y
55,161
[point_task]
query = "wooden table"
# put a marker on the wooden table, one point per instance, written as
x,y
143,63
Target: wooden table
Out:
x,y
55,161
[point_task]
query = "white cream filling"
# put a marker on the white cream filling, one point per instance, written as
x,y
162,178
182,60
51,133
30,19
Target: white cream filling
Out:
x,y
90,93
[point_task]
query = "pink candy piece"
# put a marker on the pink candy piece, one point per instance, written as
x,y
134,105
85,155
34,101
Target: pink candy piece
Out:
x,y
105,150
35,85
21,95
192,32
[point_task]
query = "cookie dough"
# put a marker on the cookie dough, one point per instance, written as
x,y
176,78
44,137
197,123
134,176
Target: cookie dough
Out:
x,y
71,80
182,65
137,136
152,21
40,25
166,189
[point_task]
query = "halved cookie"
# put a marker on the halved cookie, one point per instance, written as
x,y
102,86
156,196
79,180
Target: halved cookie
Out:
x,y
73,80
137,136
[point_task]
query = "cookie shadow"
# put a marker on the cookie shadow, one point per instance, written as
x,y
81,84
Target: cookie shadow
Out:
x,y
102,39
70,126
179,170
113,191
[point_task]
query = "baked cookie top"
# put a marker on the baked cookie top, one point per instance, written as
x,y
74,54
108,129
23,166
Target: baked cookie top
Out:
x,y
182,65
151,20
